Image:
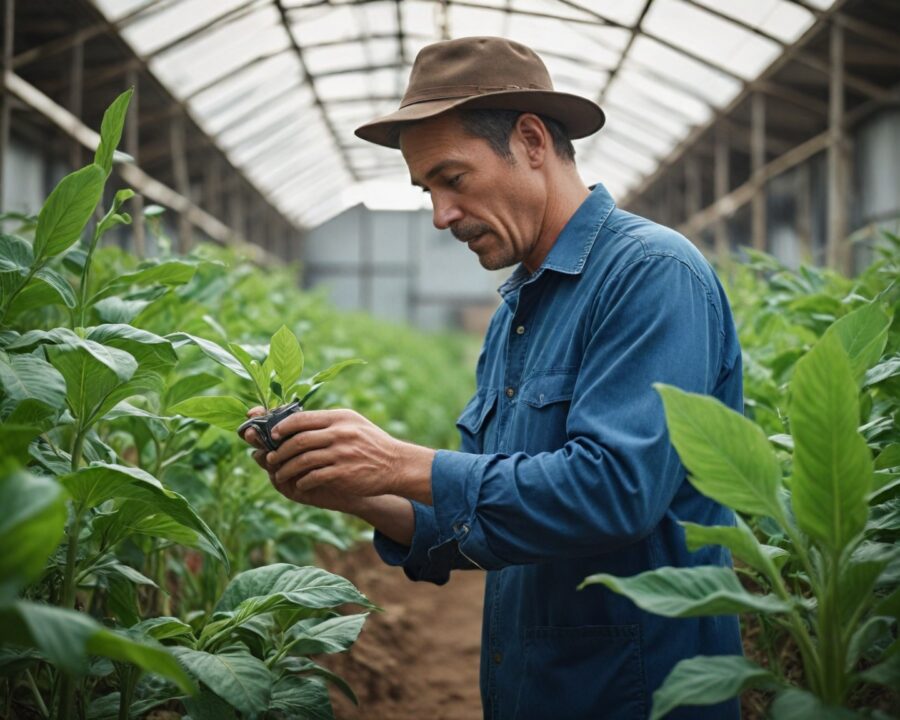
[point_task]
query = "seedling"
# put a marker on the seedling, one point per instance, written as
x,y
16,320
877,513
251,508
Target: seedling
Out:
x,y
276,384
266,423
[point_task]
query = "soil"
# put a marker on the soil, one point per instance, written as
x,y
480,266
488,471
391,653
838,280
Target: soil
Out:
x,y
418,659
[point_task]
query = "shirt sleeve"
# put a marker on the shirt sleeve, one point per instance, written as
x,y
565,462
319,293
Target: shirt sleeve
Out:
x,y
617,473
430,557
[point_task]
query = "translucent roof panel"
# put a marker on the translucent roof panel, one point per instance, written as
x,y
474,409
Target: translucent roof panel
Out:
x,y
280,85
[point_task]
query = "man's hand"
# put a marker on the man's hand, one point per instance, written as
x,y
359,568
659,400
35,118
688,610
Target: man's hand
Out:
x,y
349,454
323,497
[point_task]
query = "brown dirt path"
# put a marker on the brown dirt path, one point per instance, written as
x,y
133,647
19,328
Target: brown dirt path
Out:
x,y
417,660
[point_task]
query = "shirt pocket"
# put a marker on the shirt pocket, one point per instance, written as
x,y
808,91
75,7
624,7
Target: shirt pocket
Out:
x,y
474,422
544,410
584,672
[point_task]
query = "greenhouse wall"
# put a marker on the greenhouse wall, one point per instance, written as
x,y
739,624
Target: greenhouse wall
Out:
x,y
397,265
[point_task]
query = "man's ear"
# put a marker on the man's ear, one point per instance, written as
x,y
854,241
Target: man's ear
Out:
x,y
534,138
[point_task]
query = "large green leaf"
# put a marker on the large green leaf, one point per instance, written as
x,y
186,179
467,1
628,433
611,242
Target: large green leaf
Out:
x,y
16,438
729,458
689,592
707,680
234,675
314,636
111,131
92,371
309,587
16,256
137,517
298,665
153,353
167,272
31,526
740,540
287,357
222,411
68,639
67,210
95,484
301,697
212,350
29,377
58,284
863,335
832,464
188,387
796,704
332,372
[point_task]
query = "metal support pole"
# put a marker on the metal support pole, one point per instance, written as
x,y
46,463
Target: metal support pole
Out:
x,y
212,185
757,162
236,206
722,182
693,191
132,147
76,98
182,180
803,212
9,18
835,254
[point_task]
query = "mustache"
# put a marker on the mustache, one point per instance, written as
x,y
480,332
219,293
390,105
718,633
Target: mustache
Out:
x,y
469,231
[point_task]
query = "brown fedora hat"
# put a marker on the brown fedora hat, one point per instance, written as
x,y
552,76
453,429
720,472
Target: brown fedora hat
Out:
x,y
484,73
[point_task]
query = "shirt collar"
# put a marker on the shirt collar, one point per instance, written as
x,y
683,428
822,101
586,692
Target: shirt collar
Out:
x,y
574,243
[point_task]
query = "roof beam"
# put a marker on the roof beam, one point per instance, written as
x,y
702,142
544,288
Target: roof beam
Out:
x,y
223,19
767,74
317,100
132,174
634,33
82,35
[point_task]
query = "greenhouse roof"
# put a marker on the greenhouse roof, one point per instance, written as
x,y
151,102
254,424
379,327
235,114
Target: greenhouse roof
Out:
x,y
280,85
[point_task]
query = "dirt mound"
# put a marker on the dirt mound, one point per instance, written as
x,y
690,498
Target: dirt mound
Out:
x,y
417,660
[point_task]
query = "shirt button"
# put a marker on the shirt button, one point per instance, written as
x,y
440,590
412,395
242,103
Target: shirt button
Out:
x,y
498,658
520,330
510,392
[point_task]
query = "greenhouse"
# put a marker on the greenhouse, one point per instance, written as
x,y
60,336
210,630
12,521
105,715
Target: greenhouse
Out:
x,y
449,359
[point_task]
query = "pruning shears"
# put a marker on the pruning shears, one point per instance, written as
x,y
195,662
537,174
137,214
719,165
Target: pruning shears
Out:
x,y
266,423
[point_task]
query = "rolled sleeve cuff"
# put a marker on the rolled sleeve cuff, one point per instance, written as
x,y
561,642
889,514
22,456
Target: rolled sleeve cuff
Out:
x,y
414,558
456,480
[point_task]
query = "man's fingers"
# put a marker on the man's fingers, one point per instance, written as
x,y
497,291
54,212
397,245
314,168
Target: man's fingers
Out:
x,y
256,411
252,437
306,421
314,479
300,465
300,443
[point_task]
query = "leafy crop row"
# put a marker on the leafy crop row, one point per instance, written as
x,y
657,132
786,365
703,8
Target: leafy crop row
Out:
x,y
813,470
146,560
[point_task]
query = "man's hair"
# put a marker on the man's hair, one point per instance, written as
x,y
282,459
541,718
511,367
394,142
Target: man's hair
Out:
x,y
496,126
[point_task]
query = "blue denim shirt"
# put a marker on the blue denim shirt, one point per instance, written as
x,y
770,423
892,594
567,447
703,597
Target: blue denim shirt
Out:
x,y
566,470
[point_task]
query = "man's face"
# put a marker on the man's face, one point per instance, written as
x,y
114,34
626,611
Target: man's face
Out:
x,y
491,203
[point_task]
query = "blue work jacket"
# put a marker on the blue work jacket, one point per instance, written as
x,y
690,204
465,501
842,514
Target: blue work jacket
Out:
x,y
566,470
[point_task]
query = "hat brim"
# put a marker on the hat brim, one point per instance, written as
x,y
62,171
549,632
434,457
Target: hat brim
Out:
x,y
580,116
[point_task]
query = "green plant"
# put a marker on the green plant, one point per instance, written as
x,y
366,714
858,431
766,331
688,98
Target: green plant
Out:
x,y
828,580
274,380
98,541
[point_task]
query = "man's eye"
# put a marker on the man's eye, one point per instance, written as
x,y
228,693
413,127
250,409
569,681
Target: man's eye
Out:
x,y
454,181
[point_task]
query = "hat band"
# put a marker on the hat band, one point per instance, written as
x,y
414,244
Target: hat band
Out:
x,y
452,92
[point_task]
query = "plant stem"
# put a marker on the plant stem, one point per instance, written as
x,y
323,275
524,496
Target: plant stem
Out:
x,y
37,694
126,693
86,277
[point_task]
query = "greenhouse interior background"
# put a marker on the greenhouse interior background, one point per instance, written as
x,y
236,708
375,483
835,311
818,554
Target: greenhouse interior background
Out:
x,y
679,516
772,124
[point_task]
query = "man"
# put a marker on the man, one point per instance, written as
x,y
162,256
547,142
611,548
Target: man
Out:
x,y
565,467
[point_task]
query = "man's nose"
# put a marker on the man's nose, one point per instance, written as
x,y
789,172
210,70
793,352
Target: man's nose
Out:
x,y
445,213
